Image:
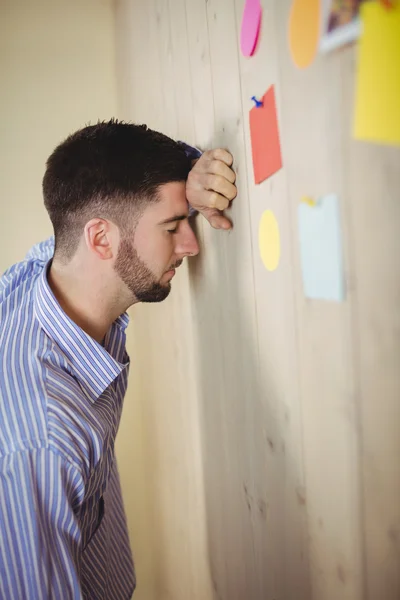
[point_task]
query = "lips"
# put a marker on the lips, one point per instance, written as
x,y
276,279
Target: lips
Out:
x,y
171,271
174,267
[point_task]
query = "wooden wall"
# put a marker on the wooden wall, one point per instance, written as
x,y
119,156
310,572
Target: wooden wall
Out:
x,y
260,443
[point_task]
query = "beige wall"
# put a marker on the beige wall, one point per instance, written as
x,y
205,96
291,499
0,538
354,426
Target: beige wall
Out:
x,y
57,73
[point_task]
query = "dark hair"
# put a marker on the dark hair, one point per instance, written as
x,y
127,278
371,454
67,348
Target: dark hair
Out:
x,y
110,170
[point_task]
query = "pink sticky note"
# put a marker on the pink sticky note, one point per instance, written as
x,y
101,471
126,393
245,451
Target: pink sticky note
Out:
x,y
250,27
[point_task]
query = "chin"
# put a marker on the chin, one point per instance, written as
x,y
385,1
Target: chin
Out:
x,y
155,294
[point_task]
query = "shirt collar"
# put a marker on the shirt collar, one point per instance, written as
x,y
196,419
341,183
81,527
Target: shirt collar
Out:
x,y
93,365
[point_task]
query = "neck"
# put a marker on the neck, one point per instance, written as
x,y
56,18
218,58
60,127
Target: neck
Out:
x,y
88,298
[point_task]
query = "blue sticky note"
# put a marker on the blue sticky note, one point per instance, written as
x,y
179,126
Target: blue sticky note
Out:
x,y
321,249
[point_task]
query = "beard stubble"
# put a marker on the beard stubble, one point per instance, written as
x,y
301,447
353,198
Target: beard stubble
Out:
x,y
138,277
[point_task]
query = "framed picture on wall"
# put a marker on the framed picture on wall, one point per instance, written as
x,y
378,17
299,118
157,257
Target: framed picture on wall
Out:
x,y
341,23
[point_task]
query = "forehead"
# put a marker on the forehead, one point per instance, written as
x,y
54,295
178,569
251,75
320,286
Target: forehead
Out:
x,y
172,203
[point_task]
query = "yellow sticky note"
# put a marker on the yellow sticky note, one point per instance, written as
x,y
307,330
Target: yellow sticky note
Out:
x,y
377,108
269,240
309,201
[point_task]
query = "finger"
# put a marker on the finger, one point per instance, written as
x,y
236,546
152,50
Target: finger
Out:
x,y
216,218
221,154
220,222
218,201
222,186
217,167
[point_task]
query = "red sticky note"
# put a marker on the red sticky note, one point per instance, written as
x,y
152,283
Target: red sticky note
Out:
x,y
265,144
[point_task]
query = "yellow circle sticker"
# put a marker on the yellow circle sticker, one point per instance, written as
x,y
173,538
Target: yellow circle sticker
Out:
x,y
269,240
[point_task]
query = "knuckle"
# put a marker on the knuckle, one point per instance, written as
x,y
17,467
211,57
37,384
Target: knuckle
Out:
x,y
228,158
224,204
232,193
215,166
229,175
218,183
219,154
213,200
212,182
222,155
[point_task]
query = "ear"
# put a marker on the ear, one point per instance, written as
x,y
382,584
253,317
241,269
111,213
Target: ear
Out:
x,y
101,238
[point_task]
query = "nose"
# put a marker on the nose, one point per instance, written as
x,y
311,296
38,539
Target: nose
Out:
x,y
186,241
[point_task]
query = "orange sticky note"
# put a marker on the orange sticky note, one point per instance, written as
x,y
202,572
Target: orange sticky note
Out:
x,y
265,144
304,31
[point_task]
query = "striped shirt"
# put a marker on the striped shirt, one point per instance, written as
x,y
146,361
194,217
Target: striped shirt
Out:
x,y
63,530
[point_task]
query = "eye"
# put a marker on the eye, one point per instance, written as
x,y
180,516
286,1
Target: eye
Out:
x,y
174,230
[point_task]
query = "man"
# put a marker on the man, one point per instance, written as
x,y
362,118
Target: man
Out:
x,y
118,196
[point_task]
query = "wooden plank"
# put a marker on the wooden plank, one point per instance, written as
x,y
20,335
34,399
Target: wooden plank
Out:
x,y
227,334
287,549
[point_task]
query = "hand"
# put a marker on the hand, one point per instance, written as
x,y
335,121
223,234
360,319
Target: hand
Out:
x,y
210,186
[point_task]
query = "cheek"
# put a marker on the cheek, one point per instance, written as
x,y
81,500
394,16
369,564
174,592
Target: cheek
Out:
x,y
157,251
166,249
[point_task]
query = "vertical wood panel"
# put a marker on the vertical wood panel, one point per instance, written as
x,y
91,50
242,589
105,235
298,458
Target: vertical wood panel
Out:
x,y
223,294
277,334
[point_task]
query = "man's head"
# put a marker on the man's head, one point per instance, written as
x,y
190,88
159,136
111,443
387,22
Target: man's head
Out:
x,y
115,192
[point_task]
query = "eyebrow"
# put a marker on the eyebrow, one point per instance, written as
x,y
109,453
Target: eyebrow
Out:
x,y
174,218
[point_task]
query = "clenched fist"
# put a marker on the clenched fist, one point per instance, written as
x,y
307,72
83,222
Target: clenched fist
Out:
x,y
210,186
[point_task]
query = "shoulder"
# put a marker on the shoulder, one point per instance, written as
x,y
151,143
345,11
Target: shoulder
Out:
x,y
18,280
23,349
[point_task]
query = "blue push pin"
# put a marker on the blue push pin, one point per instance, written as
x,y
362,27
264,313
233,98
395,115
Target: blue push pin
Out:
x,y
258,103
